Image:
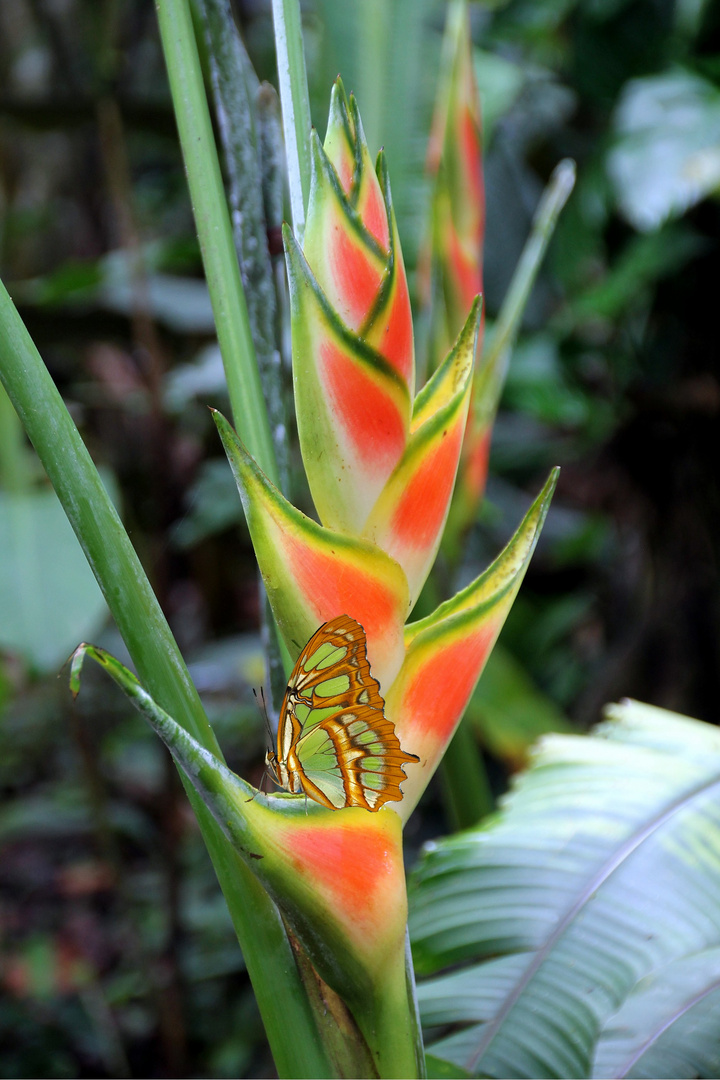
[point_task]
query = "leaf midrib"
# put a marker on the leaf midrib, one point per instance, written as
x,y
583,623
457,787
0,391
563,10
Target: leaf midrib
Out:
x,y
626,849
624,1069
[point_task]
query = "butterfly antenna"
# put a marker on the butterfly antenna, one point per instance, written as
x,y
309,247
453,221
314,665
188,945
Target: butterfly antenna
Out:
x,y
262,706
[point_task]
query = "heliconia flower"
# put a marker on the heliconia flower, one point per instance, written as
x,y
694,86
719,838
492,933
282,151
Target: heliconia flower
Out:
x,y
446,652
452,270
426,671
452,265
338,879
379,465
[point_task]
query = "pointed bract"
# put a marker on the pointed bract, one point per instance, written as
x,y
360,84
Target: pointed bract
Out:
x,y
313,574
352,335
446,652
455,266
337,876
353,410
348,262
408,519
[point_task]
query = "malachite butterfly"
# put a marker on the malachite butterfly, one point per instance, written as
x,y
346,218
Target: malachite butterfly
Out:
x,y
334,742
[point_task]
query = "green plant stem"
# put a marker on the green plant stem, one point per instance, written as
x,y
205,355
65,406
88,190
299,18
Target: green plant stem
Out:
x,y
282,1001
215,231
295,102
466,789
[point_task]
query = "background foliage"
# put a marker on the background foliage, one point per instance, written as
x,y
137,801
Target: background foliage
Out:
x,y
117,956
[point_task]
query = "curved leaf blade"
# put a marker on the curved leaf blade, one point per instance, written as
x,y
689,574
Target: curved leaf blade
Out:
x,y
602,869
669,1026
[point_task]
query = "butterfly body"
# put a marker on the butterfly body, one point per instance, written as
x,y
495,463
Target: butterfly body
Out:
x,y
334,742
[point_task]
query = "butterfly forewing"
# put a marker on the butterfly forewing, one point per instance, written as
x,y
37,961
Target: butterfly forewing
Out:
x,y
334,741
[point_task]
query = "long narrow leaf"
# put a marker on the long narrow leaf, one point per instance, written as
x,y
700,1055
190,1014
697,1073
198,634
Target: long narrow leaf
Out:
x,y
158,661
295,106
214,229
236,91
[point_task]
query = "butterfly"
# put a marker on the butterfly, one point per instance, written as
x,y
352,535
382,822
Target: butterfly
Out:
x,y
334,742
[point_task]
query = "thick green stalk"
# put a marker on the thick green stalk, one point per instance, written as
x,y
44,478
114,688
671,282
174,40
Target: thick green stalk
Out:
x,y
292,80
215,231
282,1001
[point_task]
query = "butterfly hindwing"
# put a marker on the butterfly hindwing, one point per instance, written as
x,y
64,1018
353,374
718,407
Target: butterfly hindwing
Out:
x,y
334,741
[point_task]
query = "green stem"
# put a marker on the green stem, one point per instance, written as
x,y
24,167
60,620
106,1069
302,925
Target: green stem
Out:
x,y
292,80
466,788
282,1001
215,231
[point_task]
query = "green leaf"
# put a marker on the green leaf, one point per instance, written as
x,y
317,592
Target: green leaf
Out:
x,y
667,156
499,82
668,1027
437,1069
509,712
235,90
598,880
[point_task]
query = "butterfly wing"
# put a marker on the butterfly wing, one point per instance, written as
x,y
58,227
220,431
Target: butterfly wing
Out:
x,y
353,758
334,737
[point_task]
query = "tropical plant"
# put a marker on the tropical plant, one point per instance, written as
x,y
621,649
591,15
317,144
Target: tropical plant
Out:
x,y
316,886
380,463
578,932
380,467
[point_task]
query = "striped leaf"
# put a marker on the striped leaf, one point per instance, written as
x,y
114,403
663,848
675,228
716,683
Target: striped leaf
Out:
x,y
585,914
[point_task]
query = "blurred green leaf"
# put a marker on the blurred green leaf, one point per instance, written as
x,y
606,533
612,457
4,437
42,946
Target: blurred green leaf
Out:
x,y
668,1026
49,598
595,882
213,506
499,82
643,261
509,712
437,1069
667,154
112,283
536,384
